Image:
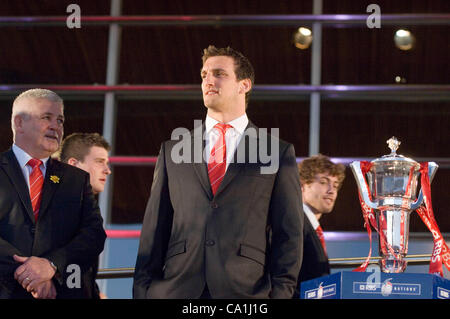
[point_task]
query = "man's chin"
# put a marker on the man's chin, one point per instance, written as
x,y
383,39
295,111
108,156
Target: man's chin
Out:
x,y
48,151
214,107
97,190
210,101
52,150
52,143
208,104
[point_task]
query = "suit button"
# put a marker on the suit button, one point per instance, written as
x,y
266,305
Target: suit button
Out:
x,y
214,205
210,242
32,230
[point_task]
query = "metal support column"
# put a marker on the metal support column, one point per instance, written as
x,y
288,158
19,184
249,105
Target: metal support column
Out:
x,y
109,121
314,107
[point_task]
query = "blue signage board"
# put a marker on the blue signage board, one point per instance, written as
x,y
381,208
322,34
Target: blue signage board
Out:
x,y
378,285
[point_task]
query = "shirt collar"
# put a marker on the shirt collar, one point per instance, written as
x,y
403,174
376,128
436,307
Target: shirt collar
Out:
x,y
311,216
239,124
23,157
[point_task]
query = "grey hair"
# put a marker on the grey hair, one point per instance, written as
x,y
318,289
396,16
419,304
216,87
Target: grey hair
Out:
x,y
32,94
40,94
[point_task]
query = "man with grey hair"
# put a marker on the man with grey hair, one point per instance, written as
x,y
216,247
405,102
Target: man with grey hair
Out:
x,y
22,109
50,226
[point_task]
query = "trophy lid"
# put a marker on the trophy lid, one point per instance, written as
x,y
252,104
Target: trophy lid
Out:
x,y
393,144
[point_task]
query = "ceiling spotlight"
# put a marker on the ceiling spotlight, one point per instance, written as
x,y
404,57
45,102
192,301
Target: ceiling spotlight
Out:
x,y
404,39
399,79
303,38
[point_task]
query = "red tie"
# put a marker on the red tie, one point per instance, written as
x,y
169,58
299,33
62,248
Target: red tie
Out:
x,y
217,160
319,232
36,182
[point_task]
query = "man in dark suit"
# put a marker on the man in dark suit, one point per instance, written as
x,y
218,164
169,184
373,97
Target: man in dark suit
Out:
x,y
225,224
321,180
50,227
89,151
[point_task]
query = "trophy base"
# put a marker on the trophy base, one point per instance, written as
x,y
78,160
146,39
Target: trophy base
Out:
x,y
393,264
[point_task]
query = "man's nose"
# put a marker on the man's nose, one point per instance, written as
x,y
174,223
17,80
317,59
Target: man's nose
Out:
x,y
55,125
208,79
331,189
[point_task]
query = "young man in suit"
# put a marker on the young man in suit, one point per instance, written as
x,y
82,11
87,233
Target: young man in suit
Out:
x,y
224,226
321,180
50,225
89,152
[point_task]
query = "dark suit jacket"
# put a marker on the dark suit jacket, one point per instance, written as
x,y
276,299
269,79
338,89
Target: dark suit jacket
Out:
x,y
315,261
68,231
244,242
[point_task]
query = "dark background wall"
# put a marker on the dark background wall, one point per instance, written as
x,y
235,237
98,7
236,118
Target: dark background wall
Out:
x,y
171,55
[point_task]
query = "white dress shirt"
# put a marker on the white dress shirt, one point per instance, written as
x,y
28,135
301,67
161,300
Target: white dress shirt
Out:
x,y
23,158
232,136
311,216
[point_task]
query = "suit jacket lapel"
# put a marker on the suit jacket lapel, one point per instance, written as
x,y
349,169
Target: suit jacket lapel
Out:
x,y
11,167
238,163
233,169
50,184
201,169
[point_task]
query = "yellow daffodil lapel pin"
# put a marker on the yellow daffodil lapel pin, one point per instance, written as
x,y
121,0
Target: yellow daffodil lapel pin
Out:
x,y
54,179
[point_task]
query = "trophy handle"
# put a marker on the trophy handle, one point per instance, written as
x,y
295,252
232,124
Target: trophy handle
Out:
x,y
432,168
362,185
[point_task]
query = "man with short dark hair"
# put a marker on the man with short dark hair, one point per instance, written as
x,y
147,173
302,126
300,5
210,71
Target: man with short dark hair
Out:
x,y
220,227
50,223
320,180
89,152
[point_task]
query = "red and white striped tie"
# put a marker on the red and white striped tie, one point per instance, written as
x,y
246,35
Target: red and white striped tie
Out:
x,y
321,236
36,182
217,160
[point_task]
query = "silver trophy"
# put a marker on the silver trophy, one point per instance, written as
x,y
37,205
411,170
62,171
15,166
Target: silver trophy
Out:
x,y
391,191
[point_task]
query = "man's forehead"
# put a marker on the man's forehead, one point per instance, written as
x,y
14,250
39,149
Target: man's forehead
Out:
x,y
41,105
326,175
98,152
218,62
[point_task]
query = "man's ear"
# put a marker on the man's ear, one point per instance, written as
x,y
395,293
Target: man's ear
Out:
x,y
72,161
18,122
246,85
